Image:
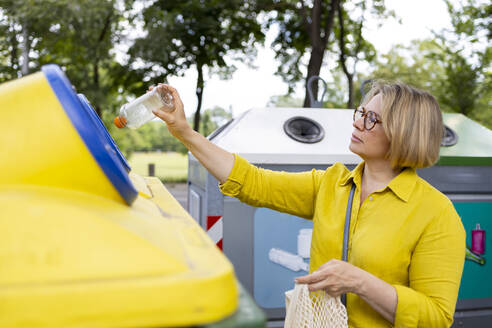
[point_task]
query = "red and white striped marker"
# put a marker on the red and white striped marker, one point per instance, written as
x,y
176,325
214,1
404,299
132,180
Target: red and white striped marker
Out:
x,y
215,229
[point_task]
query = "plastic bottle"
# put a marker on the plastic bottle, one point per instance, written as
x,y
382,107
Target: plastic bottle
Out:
x,y
478,240
290,261
139,111
304,242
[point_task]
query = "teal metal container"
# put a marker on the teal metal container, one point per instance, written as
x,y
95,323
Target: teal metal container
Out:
x,y
464,174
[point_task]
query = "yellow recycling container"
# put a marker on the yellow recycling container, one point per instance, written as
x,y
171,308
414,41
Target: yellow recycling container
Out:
x,y
80,245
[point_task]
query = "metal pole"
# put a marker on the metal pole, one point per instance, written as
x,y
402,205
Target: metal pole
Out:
x,y
151,169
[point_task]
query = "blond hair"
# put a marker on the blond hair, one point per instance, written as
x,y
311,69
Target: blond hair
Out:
x,y
412,121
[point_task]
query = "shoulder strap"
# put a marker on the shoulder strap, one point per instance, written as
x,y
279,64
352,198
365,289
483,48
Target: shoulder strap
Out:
x,y
346,230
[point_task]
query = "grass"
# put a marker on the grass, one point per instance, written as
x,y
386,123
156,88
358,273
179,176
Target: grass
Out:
x,y
169,167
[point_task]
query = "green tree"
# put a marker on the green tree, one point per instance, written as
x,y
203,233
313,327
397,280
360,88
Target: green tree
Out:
x,y
153,136
353,48
305,28
413,64
284,101
23,24
213,119
461,86
199,34
448,76
77,35
466,56
82,40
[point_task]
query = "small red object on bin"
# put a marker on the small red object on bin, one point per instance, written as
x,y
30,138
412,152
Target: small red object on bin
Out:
x,y
478,240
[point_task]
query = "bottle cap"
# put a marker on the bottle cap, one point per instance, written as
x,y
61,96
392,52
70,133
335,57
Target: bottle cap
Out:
x,y
477,226
120,121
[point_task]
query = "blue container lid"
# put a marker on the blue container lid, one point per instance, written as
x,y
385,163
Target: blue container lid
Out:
x,y
98,145
102,129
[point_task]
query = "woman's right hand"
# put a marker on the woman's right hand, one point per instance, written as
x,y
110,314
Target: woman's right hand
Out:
x,y
175,119
216,160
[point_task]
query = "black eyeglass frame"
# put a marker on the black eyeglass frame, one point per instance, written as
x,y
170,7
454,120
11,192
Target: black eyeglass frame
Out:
x,y
366,114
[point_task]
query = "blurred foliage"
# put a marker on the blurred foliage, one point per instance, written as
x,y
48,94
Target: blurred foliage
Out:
x,y
213,119
285,101
23,24
455,66
196,34
305,31
467,59
353,47
413,65
79,36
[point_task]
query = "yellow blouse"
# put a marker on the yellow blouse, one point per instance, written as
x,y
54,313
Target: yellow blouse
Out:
x,y
407,234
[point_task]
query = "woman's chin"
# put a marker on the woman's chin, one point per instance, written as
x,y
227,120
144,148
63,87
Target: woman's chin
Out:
x,y
353,148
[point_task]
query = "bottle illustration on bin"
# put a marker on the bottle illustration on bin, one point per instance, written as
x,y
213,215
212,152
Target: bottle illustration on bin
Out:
x,y
478,246
294,262
139,111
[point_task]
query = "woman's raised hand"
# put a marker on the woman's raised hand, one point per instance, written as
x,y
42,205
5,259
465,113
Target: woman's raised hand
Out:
x,y
216,160
175,119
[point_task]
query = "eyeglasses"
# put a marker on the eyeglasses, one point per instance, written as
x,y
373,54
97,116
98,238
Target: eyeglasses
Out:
x,y
370,118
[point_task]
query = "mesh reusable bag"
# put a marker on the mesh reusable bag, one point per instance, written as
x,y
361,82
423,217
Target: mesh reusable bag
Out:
x,y
313,310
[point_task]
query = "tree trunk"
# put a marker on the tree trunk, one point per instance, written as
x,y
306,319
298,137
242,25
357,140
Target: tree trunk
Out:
x,y
95,68
25,51
350,102
199,94
95,73
343,58
13,57
318,42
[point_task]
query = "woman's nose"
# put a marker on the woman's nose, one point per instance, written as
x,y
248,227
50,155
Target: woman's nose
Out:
x,y
359,124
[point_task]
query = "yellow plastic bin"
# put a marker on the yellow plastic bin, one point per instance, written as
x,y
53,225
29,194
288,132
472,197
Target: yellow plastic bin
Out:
x,y
82,244
248,314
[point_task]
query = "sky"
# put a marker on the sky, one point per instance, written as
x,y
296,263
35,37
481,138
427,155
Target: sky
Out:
x,y
249,88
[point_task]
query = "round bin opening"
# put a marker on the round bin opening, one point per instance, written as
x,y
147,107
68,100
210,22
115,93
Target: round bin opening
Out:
x,y
304,129
450,138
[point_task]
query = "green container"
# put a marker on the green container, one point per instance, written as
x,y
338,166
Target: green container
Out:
x,y
464,174
248,314
473,145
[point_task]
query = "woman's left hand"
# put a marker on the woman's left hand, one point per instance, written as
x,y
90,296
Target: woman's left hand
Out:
x,y
335,277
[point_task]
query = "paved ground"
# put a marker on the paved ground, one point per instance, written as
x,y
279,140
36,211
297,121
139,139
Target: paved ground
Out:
x,y
180,192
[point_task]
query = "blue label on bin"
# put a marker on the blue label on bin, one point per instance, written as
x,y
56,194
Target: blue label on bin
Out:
x,y
275,230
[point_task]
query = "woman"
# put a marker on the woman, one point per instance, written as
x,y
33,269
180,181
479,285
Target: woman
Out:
x,y
406,245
